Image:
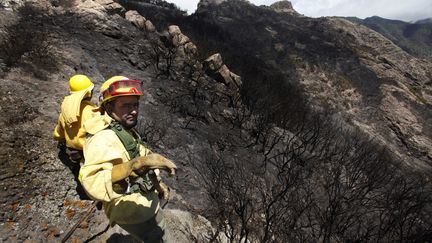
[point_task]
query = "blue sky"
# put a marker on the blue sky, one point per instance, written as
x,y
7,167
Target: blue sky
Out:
x,y
407,10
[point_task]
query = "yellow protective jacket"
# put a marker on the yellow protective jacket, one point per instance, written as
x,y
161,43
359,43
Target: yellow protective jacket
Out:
x,y
75,110
102,150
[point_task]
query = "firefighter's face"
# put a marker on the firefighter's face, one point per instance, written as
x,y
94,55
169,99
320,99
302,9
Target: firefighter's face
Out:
x,y
125,110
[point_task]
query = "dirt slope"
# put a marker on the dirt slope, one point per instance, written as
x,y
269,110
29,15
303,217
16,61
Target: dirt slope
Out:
x,y
43,45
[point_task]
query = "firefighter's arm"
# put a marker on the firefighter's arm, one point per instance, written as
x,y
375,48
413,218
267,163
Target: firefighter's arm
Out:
x,y
58,133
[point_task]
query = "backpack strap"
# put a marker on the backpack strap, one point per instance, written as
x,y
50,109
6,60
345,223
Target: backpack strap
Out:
x,y
128,140
132,146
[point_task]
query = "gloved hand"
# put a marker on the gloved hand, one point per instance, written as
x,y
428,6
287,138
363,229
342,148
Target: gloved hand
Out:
x,y
141,165
163,190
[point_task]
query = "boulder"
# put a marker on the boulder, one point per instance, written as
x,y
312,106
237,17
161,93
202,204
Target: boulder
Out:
x,y
191,48
11,4
149,26
92,12
283,7
95,15
91,6
177,37
180,39
111,6
215,68
224,75
182,42
173,30
213,63
136,19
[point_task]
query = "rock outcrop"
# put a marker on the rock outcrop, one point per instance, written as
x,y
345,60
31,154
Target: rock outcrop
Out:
x,y
135,18
11,4
186,50
139,21
206,3
284,7
215,67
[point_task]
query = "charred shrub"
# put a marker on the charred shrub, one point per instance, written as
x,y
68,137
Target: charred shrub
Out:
x,y
313,180
27,43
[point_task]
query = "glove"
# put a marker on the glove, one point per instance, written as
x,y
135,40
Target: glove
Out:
x,y
163,191
143,164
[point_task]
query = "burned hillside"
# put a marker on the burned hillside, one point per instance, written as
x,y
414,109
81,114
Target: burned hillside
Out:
x,y
290,130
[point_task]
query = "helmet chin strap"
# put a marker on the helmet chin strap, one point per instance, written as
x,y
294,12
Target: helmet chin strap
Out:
x,y
108,110
110,113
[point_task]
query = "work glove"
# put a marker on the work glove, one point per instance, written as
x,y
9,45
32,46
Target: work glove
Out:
x,y
163,191
141,165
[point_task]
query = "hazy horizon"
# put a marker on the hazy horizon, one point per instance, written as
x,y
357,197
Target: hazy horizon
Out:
x,y
409,11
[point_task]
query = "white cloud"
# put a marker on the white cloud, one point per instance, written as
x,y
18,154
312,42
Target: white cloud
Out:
x,y
407,10
189,5
392,9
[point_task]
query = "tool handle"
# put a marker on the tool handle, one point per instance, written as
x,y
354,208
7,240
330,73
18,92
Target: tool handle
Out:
x,y
70,232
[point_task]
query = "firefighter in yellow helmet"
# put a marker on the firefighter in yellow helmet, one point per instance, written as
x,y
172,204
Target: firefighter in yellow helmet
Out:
x,y
76,108
119,170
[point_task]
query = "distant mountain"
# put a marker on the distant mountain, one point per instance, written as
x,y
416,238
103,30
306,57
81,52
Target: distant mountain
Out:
x,y
414,38
424,21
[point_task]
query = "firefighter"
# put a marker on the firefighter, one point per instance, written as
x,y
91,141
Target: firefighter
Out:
x,y
119,168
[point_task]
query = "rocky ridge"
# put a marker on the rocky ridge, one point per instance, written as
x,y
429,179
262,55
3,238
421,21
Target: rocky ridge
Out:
x,y
284,7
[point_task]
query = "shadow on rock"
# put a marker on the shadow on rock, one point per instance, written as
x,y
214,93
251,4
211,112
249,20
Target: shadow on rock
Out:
x,y
119,238
74,167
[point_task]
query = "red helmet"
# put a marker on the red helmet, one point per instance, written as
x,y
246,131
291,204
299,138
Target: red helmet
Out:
x,y
119,86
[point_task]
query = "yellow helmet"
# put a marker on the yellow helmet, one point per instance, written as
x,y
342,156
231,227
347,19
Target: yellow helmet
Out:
x,y
119,86
79,82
